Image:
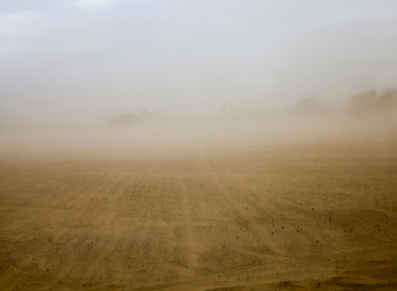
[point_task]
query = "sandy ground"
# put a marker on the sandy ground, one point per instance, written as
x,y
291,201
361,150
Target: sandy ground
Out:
x,y
304,217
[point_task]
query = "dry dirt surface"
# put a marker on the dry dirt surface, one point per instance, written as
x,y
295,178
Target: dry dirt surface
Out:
x,y
305,217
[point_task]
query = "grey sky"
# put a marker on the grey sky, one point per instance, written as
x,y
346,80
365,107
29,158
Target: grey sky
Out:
x,y
88,60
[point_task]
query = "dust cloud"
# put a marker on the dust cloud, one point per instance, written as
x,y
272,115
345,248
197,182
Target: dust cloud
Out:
x,y
198,145
227,130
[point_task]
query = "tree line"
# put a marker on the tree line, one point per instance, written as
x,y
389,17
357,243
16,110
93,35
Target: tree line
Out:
x,y
362,101
387,99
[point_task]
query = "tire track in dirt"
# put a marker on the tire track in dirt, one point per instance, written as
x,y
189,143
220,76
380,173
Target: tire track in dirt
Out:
x,y
190,242
251,245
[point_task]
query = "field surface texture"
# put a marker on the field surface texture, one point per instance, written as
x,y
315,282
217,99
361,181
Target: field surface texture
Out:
x,y
305,217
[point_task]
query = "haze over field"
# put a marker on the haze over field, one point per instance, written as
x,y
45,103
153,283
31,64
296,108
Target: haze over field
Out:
x,y
198,145
235,131
83,61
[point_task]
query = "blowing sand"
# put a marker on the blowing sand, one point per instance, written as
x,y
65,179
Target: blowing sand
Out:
x,y
298,217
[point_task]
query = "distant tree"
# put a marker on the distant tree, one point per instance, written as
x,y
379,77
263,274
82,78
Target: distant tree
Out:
x,y
322,105
132,118
128,118
388,98
309,104
363,100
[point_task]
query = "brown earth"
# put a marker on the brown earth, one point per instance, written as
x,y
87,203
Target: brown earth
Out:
x,y
321,217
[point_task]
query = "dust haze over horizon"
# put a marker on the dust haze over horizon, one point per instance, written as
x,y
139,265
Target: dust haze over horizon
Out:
x,y
205,65
198,145
84,61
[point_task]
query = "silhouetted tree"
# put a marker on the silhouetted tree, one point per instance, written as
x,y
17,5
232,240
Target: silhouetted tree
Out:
x,y
363,100
132,118
388,98
309,104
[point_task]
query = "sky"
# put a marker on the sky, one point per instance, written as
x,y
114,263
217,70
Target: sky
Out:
x,y
84,61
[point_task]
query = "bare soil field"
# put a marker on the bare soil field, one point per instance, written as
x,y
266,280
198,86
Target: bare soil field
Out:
x,y
303,217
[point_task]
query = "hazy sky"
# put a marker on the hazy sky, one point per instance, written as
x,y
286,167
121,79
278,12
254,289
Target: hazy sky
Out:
x,y
87,60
